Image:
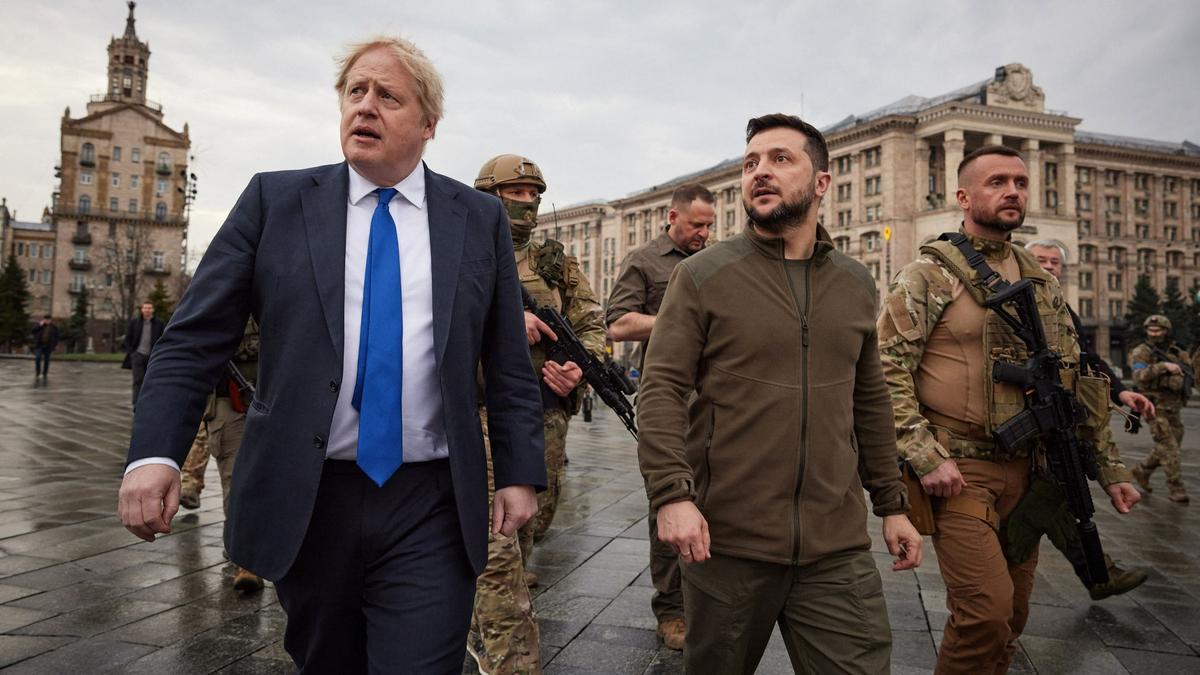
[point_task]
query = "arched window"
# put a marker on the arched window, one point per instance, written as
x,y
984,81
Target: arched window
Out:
x,y
88,154
160,211
85,204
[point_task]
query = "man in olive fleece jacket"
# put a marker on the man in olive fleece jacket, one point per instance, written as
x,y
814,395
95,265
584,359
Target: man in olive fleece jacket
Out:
x,y
763,498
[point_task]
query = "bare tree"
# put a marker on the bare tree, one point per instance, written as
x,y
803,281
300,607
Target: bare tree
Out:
x,y
127,256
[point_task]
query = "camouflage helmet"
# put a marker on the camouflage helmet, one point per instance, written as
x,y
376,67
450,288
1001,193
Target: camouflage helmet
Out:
x,y
508,170
1157,321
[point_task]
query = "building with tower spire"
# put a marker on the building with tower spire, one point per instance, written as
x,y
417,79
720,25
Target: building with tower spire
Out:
x,y
119,212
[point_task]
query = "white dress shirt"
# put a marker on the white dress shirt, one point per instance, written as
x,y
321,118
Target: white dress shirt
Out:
x,y
424,427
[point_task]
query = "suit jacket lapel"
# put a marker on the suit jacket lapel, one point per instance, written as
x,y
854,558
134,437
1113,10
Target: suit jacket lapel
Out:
x,y
324,208
447,229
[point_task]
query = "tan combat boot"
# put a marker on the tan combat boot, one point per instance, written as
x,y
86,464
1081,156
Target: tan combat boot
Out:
x,y
531,579
1119,581
672,632
1142,478
246,581
1178,494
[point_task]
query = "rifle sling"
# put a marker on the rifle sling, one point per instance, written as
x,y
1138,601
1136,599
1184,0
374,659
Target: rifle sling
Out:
x,y
990,278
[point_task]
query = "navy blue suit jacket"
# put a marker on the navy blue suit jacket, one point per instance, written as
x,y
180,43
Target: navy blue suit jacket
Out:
x,y
280,256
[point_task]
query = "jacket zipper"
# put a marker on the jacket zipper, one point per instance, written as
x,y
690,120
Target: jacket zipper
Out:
x,y
803,447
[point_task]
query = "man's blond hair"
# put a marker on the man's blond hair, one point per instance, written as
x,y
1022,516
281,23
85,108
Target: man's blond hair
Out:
x,y
429,84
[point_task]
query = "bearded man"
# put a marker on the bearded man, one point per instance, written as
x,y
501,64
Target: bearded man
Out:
x,y
758,482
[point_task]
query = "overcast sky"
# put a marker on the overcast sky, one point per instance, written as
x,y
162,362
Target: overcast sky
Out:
x,y
608,96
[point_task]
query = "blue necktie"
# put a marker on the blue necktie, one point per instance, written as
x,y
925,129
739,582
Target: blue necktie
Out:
x,y
380,385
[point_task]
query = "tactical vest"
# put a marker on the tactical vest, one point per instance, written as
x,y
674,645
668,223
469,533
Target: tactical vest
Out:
x,y
543,270
1002,401
1165,388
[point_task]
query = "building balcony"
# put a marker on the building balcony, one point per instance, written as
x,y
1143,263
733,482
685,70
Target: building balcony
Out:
x,y
79,264
163,169
151,270
87,162
82,239
75,290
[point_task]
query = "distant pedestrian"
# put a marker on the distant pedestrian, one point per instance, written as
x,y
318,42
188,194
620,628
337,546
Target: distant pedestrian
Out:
x,y
140,336
45,339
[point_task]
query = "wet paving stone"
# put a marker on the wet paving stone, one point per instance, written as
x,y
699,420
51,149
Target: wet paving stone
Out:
x,y
80,595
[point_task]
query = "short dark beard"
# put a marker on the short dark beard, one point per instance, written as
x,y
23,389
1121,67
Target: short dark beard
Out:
x,y
787,215
993,222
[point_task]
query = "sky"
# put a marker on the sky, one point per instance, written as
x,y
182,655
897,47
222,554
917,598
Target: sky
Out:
x,y
608,97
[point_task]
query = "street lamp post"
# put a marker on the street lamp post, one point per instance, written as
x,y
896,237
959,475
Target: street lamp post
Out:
x,y
188,193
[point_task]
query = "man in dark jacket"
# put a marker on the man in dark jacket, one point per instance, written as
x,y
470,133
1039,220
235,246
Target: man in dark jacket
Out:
x,y
45,339
140,336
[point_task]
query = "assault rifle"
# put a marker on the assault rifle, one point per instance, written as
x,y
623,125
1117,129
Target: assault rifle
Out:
x,y
606,378
1189,377
245,389
1052,414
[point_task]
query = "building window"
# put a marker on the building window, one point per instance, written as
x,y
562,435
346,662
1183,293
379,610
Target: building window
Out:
x,y
1087,254
1170,184
1083,201
870,241
85,204
1112,178
844,218
1170,232
1085,308
1085,281
874,267
135,155
47,251
80,253
1141,181
20,248
1116,254
116,153
1112,204
87,155
164,162
85,178
107,305
160,187
160,260
842,164
1170,210
842,244
1142,230
1141,207
1112,228
45,276
114,204
874,212
135,181
844,191
1085,228
1174,259
1051,199
872,157
1083,175
1051,173
133,206
1114,281
874,185
33,276
1196,234
1116,309
1195,212
116,180
33,251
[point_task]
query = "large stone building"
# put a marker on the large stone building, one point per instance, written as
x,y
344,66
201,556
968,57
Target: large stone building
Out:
x,y
32,243
1121,206
118,212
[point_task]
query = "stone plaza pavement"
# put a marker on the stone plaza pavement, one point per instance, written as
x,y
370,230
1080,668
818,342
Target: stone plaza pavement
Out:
x,y
79,594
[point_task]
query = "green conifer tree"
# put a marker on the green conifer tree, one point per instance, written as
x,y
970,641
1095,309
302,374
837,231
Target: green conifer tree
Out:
x,y
76,335
15,324
1176,308
161,299
1144,303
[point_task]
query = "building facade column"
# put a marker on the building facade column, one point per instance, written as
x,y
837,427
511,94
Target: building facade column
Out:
x,y
994,139
952,144
921,176
1033,160
1067,182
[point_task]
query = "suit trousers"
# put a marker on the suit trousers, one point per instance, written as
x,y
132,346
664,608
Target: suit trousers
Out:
x,y
138,362
382,583
987,596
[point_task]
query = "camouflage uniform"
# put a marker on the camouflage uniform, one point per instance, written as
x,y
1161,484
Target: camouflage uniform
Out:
x,y
1166,391
192,472
504,631
988,598
554,279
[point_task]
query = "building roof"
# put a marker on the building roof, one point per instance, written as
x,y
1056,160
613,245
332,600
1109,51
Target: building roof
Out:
x,y
912,104
1133,143
736,161
37,227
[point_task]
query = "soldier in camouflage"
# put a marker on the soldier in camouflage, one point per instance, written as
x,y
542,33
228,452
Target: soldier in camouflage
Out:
x,y
1156,369
938,343
552,278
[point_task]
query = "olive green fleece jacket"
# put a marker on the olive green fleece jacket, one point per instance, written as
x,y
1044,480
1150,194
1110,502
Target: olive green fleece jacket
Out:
x,y
792,416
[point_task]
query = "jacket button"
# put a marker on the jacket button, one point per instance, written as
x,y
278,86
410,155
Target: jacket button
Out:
x,y
319,441
333,386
